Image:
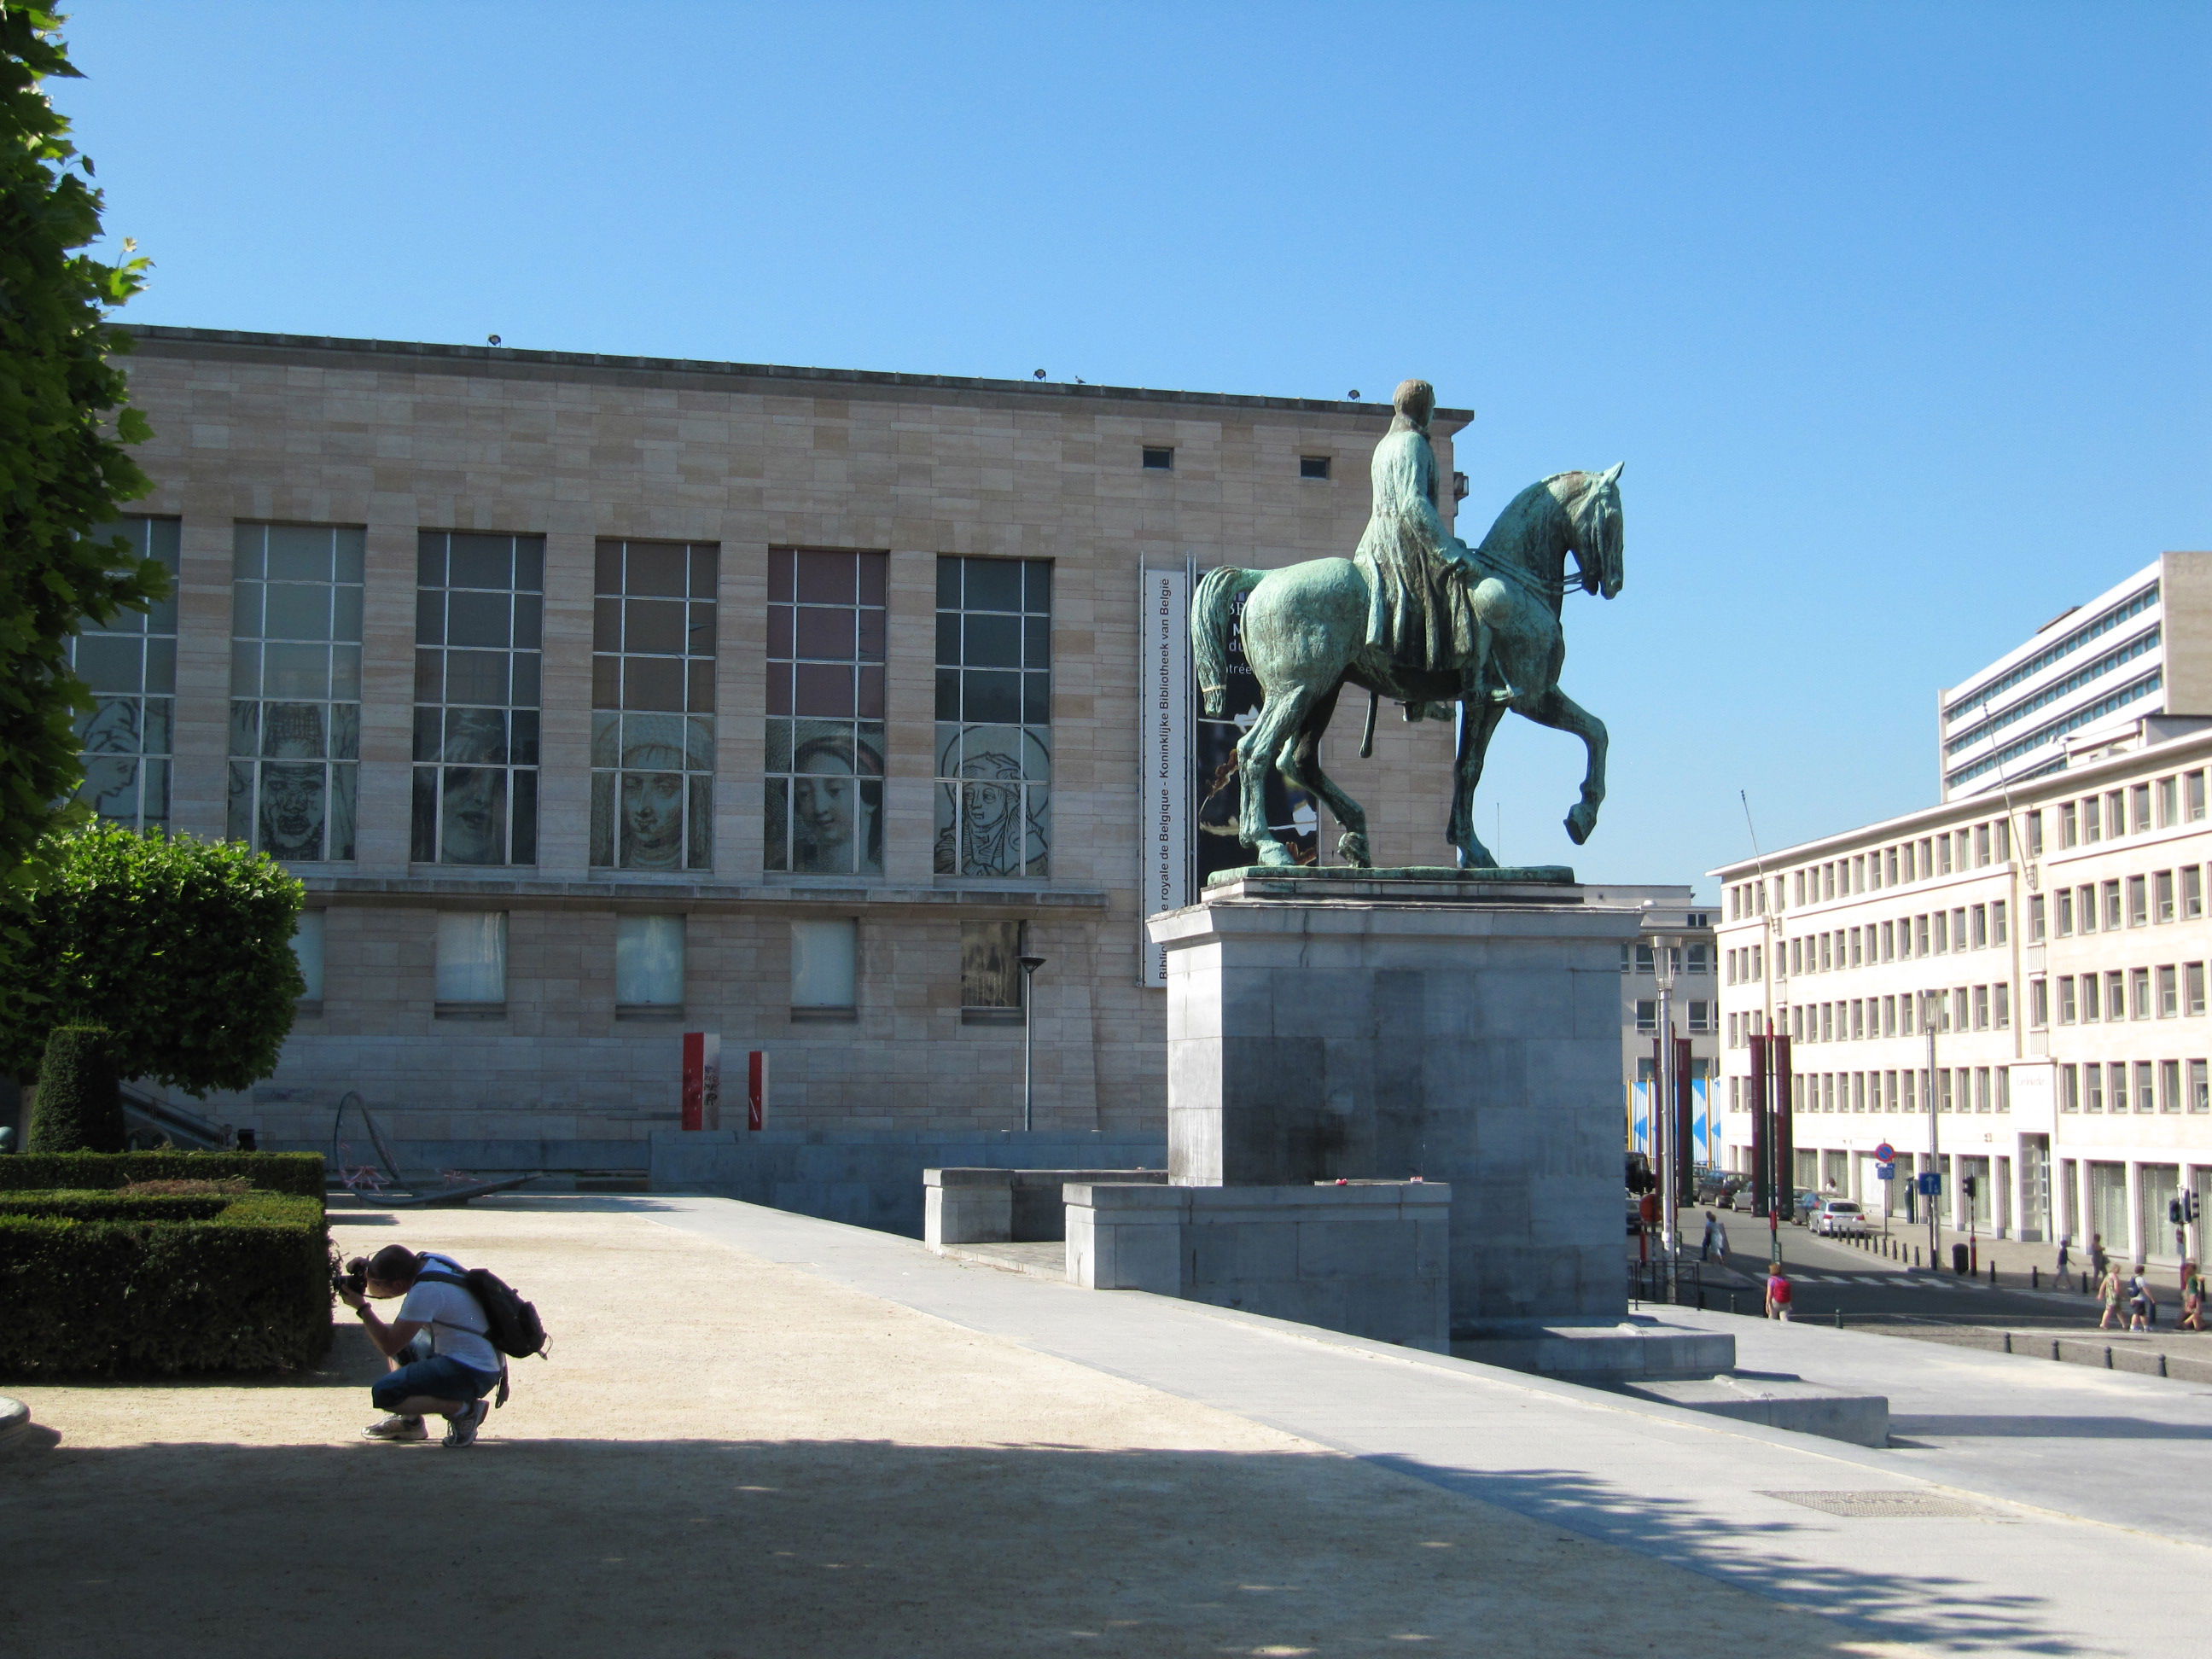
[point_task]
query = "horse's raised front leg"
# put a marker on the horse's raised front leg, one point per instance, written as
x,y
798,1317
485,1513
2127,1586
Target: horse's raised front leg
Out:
x,y
1555,709
1478,718
1302,766
1257,754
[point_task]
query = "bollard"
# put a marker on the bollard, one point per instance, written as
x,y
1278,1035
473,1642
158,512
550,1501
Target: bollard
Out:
x,y
2108,1358
1701,1298
1839,1319
2008,1345
1993,1275
2161,1364
2055,1354
2035,1279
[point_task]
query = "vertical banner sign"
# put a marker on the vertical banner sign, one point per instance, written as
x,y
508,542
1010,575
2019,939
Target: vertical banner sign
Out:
x,y
755,1088
703,1080
1163,745
1761,1129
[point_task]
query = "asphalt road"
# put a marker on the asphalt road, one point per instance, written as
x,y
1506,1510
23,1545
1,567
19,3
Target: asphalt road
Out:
x,y
1871,1289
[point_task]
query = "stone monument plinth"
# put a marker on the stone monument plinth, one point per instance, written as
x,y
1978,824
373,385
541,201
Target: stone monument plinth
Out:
x,y
1462,1027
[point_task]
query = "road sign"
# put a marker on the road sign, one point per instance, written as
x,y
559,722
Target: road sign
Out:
x,y
1885,1153
1931,1183
1887,1172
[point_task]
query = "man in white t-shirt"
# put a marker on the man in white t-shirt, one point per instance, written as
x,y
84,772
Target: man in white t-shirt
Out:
x,y
462,1366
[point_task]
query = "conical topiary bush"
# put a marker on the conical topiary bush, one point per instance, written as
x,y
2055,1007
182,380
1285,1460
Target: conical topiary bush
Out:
x,y
79,1105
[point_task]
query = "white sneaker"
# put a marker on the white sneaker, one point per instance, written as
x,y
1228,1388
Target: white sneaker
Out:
x,y
397,1428
462,1425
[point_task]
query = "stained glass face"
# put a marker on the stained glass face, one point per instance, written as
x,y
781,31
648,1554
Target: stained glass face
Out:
x,y
822,803
296,688
994,762
479,614
652,698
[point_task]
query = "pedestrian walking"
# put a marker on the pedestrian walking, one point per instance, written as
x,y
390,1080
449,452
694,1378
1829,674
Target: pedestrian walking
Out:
x,y
2192,1298
1720,1242
2114,1291
2064,1239
1705,1244
2142,1306
1778,1293
2097,1257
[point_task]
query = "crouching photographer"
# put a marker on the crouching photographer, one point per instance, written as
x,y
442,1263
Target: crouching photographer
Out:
x,y
439,1347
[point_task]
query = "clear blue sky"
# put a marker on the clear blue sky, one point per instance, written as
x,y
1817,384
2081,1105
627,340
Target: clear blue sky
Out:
x,y
1898,314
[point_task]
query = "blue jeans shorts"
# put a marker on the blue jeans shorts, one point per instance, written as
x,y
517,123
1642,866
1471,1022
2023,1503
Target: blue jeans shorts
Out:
x,y
439,1378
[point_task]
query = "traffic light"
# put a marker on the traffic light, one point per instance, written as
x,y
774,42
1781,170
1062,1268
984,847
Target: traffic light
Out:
x,y
1966,1185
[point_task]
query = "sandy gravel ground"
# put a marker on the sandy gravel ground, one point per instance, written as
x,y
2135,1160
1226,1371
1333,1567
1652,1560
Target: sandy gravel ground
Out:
x,y
725,1456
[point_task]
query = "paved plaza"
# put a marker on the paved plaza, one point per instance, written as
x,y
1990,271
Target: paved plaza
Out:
x,y
762,1434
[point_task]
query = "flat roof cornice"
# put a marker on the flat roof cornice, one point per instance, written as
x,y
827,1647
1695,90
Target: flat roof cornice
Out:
x,y
2073,780
324,351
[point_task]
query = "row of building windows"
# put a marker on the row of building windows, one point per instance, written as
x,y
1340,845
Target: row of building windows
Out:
x,y
1861,1019
471,977
1160,458
2136,808
294,742
2141,1085
1699,1016
1694,957
1935,933
1957,1088
2165,992
2020,673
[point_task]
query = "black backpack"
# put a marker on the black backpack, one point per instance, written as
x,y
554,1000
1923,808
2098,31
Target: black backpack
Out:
x,y
512,1325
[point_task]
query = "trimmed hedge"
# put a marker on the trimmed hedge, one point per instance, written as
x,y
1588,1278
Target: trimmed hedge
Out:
x,y
247,1290
117,1206
298,1173
79,1105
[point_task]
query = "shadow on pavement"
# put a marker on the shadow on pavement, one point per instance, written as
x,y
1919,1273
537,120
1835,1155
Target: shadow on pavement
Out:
x,y
763,1549
1954,1614
2030,1428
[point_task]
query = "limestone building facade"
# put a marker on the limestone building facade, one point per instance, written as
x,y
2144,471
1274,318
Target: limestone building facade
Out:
x,y
2031,962
596,700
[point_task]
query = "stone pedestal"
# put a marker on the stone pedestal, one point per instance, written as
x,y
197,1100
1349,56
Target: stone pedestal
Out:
x,y
1346,1023
1366,1257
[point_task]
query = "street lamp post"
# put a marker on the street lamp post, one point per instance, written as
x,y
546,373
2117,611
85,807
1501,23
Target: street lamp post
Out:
x,y
1028,966
1663,1125
1931,1003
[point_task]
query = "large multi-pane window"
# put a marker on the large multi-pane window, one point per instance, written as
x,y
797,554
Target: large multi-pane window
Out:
x,y
993,765
824,794
296,688
652,706
478,603
131,665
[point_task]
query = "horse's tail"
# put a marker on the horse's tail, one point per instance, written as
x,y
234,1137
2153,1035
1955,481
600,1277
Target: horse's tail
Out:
x,y
1209,629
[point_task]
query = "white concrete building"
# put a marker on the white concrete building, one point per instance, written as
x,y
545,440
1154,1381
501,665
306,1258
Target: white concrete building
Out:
x,y
2054,935
2143,647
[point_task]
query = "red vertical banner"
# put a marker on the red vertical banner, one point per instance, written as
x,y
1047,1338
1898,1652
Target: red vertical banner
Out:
x,y
1761,1125
1785,1126
755,1088
703,1080
1685,1142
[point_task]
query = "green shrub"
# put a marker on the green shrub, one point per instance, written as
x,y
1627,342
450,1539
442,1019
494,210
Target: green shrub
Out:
x,y
183,948
298,1173
79,1107
247,1290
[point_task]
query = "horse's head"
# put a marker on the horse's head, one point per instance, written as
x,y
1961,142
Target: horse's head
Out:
x,y
1594,515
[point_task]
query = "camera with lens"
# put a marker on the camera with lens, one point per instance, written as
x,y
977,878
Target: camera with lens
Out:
x,y
354,1281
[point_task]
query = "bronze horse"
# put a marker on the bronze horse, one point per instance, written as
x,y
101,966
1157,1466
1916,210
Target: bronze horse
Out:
x,y
1305,632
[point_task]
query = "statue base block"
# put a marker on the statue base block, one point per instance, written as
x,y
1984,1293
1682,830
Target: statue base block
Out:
x,y
1380,1025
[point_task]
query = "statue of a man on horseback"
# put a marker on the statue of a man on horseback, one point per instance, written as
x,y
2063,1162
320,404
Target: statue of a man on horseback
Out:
x,y
1417,615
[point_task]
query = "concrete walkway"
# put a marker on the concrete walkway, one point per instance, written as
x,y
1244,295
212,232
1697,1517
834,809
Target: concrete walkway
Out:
x,y
765,1435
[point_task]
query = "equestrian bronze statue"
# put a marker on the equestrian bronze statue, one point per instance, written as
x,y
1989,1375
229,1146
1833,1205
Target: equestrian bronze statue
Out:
x,y
1417,615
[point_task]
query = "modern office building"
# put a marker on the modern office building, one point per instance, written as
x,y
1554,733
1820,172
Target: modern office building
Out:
x,y
2030,964
599,699
1671,913
2141,648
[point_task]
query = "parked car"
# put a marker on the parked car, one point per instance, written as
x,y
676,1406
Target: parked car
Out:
x,y
1718,1190
1745,1198
1840,1218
